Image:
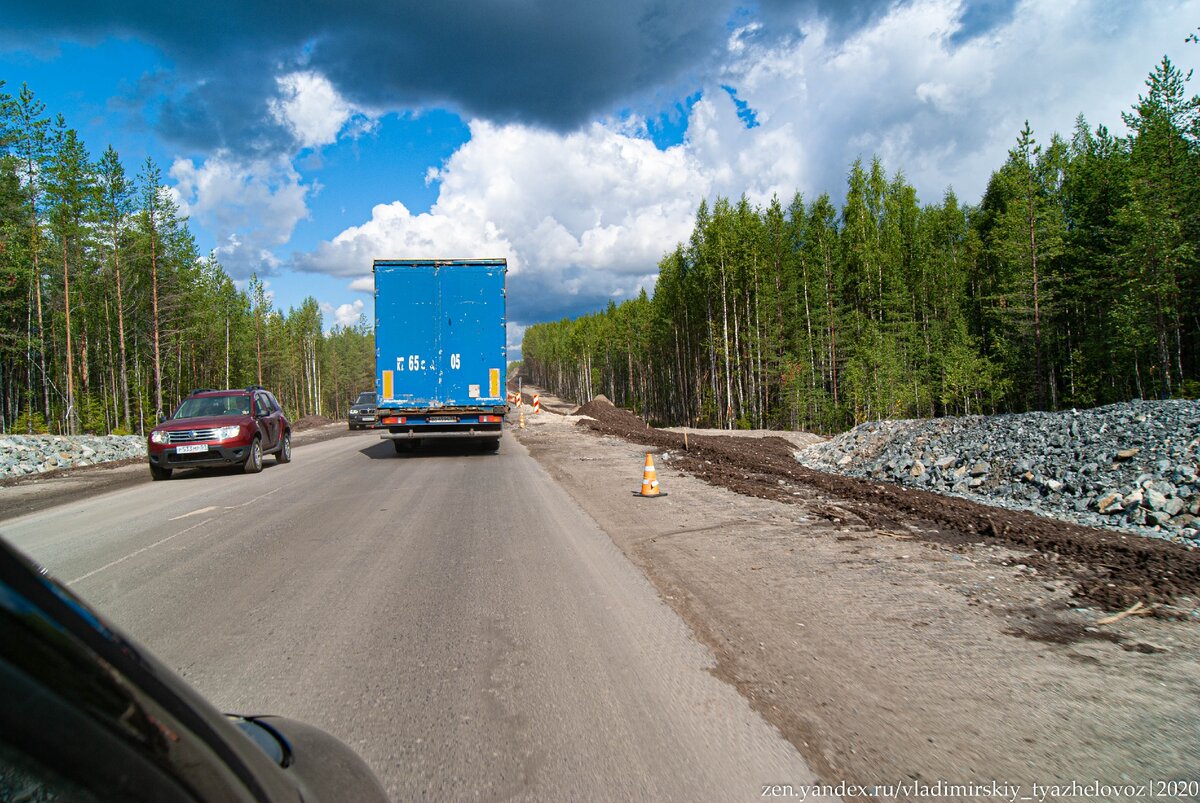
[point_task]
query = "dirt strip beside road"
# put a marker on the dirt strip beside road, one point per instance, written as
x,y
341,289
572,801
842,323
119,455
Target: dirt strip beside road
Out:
x,y
888,646
1110,570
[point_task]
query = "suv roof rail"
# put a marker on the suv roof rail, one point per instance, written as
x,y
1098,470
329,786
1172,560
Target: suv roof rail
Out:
x,y
201,390
255,387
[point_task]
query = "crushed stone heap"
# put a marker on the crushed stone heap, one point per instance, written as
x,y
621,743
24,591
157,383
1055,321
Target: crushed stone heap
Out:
x,y
21,455
1130,466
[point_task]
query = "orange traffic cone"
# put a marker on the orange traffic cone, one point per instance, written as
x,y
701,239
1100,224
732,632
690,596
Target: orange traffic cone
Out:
x,y
650,486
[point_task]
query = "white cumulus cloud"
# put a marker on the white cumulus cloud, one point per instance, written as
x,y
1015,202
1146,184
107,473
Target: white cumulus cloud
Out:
x,y
944,111
343,315
582,217
250,207
314,111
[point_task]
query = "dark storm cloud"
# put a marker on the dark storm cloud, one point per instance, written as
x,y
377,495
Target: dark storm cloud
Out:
x,y
224,112
549,63
983,15
544,62
844,17
534,296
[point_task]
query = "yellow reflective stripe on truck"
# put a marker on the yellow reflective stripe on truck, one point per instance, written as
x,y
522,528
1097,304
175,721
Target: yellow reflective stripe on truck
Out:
x,y
494,383
387,385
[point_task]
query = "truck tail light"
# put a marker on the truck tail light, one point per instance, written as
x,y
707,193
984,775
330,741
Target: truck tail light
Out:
x,y
489,419
393,419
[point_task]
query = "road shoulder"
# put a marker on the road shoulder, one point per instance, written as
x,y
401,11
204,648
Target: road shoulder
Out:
x,y
884,657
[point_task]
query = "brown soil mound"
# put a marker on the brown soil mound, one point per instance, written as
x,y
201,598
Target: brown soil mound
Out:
x,y
1111,570
310,422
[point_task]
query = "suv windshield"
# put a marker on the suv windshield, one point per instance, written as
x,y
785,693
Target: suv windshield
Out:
x,y
198,406
366,398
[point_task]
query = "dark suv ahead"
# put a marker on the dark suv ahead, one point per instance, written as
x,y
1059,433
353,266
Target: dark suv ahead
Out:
x,y
221,428
362,412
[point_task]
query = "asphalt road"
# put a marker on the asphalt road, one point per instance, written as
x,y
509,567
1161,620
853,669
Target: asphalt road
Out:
x,y
453,616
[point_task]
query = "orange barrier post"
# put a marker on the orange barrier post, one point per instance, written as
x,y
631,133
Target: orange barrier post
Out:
x,y
537,403
650,487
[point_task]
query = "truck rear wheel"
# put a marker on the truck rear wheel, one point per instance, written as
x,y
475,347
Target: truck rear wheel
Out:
x,y
402,446
491,445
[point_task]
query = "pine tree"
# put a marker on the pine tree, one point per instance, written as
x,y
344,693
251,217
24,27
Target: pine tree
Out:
x,y
71,193
259,307
1162,220
1025,234
151,196
115,206
31,150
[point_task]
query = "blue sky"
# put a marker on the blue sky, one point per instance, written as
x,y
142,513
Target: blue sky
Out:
x,y
576,139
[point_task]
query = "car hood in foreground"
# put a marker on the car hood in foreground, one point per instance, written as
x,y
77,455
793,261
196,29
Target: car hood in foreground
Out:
x,y
81,698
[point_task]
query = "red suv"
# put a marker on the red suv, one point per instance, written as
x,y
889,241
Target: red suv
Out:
x,y
221,428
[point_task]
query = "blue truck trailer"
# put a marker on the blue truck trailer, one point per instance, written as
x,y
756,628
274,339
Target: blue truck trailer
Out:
x,y
440,350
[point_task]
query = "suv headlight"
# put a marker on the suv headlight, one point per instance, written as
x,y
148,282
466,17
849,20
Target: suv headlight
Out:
x,y
158,436
228,433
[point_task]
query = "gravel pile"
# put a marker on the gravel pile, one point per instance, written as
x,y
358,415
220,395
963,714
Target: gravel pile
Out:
x,y
1130,466
21,455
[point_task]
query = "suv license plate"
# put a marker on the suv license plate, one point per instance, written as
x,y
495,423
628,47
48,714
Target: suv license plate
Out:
x,y
191,448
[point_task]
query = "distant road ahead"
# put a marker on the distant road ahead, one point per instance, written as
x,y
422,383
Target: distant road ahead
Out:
x,y
452,616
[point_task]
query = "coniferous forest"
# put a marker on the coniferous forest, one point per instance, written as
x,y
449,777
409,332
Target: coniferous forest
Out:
x,y
108,312
1074,282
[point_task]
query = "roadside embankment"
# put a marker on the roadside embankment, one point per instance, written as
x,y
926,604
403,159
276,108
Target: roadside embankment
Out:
x,y
1129,467
24,455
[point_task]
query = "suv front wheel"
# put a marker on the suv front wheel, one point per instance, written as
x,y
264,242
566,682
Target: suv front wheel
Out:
x,y
157,473
254,460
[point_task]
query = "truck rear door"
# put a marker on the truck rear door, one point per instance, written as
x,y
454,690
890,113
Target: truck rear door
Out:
x,y
407,311
472,336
